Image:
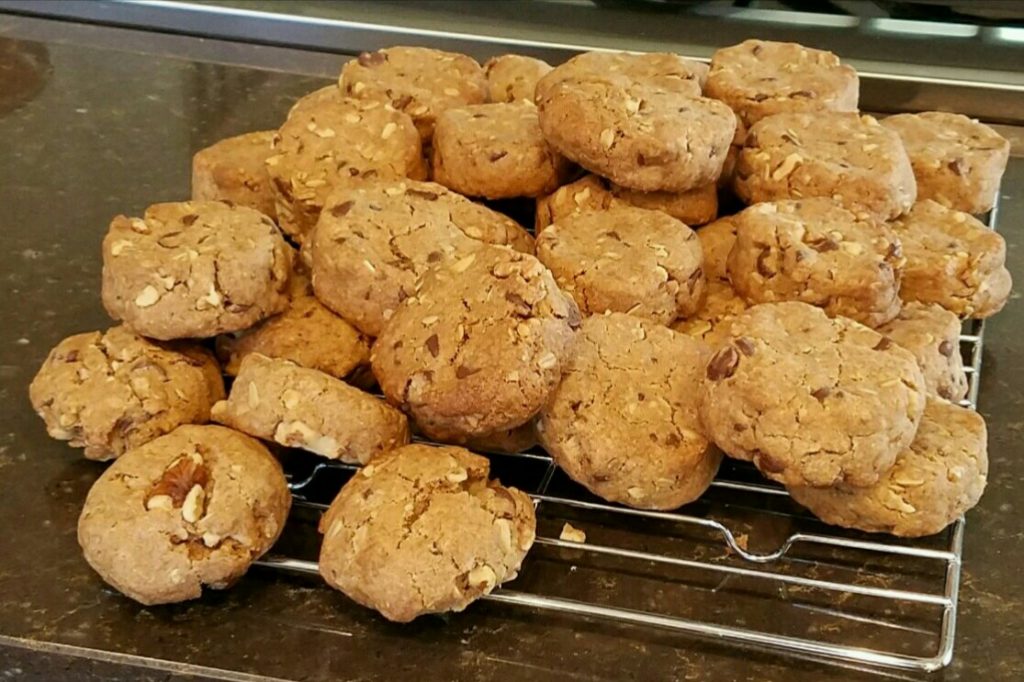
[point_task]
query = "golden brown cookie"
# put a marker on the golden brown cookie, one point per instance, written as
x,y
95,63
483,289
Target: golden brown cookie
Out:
x,y
327,96
952,260
189,510
716,241
721,303
958,161
513,77
416,80
423,529
374,241
932,334
479,347
664,70
235,169
812,401
847,157
112,391
624,421
194,269
495,151
626,260
759,78
935,480
302,408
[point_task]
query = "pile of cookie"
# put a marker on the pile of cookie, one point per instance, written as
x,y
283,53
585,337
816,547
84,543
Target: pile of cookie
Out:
x,y
813,331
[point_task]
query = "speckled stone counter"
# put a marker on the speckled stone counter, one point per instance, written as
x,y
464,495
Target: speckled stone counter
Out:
x,y
90,132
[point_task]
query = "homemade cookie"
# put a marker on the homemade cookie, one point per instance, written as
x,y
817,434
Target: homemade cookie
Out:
x,y
322,148
957,161
416,80
759,78
495,151
328,96
303,408
721,303
189,510
812,401
638,135
935,480
507,441
932,334
664,70
594,193
847,157
952,260
513,77
716,241
194,269
374,241
624,421
235,170
626,260
307,333
816,251
423,530
111,391
480,347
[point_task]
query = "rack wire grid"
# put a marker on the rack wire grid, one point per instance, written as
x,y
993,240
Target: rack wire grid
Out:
x,y
744,565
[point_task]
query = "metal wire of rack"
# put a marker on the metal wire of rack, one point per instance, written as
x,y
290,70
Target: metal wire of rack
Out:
x,y
853,598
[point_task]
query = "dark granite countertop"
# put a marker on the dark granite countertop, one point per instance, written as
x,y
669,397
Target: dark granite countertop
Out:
x,y
89,132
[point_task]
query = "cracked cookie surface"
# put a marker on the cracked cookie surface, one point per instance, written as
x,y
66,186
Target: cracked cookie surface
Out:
x,y
719,305
759,78
624,421
108,392
194,269
939,477
932,334
953,260
191,509
416,80
333,144
958,161
495,151
811,400
480,347
594,193
513,77
374,241
422,529
302,408
235,169
845,156
624,259
816,251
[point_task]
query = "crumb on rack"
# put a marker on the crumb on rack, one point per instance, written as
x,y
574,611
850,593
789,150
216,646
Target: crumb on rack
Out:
x,y
572,534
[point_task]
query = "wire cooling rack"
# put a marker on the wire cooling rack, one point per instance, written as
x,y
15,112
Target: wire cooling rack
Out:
x,y
743,565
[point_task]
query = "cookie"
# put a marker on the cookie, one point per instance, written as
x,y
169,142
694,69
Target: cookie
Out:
x,y
495,151
594,193
847,157
507,441
303,408
337,144
112,391
374,241
307,333
327,96
952,260
194,269
624,421
932,334
939,477
479,347
760,78
716,242
958,161
816,251
721,303
416,80
638,135
626,260
189,510
513,77
663,70
235,170
423,530
811,400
